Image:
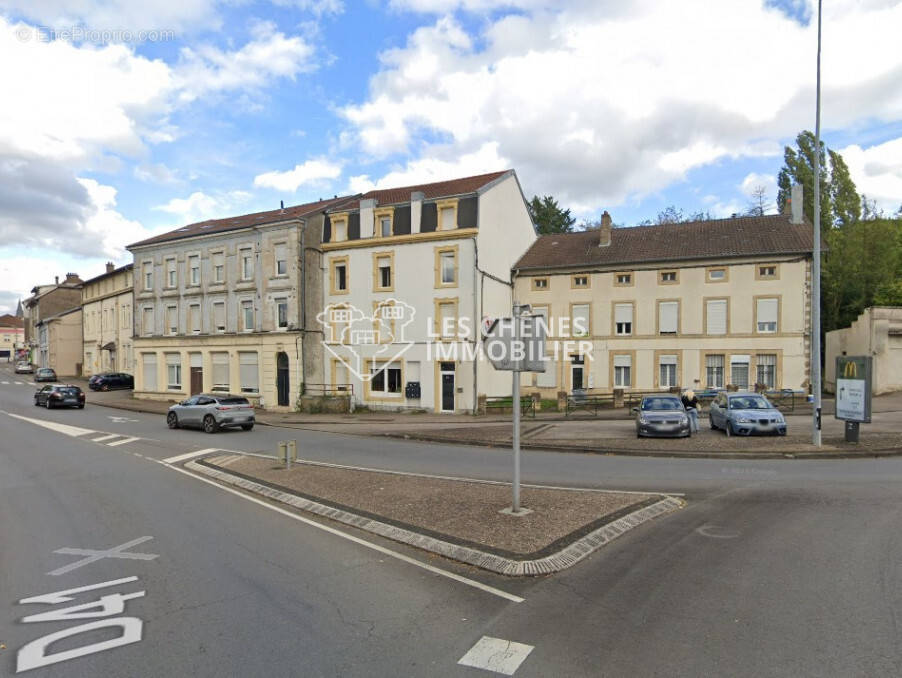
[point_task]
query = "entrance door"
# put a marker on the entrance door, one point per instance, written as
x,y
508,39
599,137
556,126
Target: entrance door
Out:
x,y
447,374
282,379
577,373
197,373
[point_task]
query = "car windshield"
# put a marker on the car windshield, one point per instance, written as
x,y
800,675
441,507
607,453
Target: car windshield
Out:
x,y
749,403
661,404
70,390
234,401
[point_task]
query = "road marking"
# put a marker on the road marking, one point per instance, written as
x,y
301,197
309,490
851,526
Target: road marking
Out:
x,y
496,655
189,455
93,555
19,383
708,529
120,420
5,382
106,437
54,426
123,442
65,596
357,540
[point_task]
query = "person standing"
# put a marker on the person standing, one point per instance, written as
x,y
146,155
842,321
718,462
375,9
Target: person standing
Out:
x,y
690,402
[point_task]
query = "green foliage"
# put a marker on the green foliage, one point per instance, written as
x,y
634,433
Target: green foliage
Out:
x,y
548,216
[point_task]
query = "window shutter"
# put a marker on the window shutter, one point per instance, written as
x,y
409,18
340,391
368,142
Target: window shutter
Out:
x,y
247,366
220,371
580,320
767,311
668,360
622,361
667,319
149,365
623,313
717,317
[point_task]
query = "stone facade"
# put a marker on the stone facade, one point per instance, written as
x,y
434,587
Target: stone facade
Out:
x,y
107,319
877,333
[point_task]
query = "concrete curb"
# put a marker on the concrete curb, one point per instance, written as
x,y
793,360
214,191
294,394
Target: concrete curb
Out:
x,y
566,557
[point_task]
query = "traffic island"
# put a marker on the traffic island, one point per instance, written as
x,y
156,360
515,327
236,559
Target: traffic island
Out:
x,y
455,518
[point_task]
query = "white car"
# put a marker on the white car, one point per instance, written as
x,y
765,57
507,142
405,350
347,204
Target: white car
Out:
x,y
23,367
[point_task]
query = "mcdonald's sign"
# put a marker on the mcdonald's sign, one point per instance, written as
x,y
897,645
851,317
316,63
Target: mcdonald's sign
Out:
x,y
853,388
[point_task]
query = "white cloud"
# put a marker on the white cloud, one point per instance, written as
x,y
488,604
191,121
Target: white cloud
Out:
x,y
601,103
311,172
877,172
105,231
176,15
754,179
199,206
155,172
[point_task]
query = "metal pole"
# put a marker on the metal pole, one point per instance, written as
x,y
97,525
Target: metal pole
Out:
x,y
816,267
516,412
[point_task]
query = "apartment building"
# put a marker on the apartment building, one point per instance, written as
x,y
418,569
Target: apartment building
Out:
x,y
12,336
707,304
59,342
107,321
46,302
221,305
408,275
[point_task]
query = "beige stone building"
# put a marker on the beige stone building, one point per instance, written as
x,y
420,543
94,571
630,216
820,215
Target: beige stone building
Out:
x,y
12,336
107,321
877,333
59,342
702,305
46,301
222,305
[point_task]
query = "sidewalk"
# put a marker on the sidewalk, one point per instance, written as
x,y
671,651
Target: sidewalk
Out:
x,y
611,432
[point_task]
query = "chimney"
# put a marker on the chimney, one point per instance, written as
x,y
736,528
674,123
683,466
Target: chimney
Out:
x,y
796,204
282,206
72,278
56,279
416,210
604,235
367,218
109,267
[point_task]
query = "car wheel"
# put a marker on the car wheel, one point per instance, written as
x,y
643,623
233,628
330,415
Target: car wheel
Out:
x,y
81,407
48,404
105,387
247,427
210,424
728,429
172,420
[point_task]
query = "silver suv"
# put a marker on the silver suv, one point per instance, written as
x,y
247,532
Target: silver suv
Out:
x,y
211,412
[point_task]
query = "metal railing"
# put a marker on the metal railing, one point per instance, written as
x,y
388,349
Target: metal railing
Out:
x,y
329,390
527,405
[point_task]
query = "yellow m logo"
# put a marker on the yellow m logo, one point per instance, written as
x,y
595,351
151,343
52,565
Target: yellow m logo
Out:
x,y
850,371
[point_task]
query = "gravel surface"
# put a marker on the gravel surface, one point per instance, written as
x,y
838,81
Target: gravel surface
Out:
x,y
460,511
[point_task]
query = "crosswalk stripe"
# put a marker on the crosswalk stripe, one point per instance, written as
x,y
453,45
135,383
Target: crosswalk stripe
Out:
x,y
102,438
123,442
189,455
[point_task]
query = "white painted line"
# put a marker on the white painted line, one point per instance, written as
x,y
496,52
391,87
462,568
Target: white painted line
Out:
x,y
65,596
496,655
4,382
357,540
122,442
189,455
102,438
19,383
54,426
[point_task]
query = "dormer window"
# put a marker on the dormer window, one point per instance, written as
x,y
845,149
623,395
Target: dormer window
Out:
x,y
447,215
384,222
339,229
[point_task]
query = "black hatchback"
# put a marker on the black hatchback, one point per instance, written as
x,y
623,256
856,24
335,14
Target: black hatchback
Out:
x,y
60,395
110,380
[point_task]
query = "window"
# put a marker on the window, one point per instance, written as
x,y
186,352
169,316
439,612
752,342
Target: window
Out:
x,y
668,317
447,215
766,312
667,371
338,275
282,313
248,373
446,317
446,266
147,322
622,369
714,371
148,276
766,366
577,373
173,371
716,316
220,362
219,316
739,371
580,281
766,272
717,275
623,319
194,318
171,273
623,279
339,229
219,267
547,378
281,259
149,371
540,284
382,272
668,277
247,316
194,269
386,379
579,320
246,262
172,319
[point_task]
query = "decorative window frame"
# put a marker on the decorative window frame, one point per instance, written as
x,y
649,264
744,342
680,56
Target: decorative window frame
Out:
x,y
632,355
779,298
534,284
620,302
676,276
438,302
333,277
630,283
589,329
705,301
440,205
679,304
337,218
679,366
710,269
455,251
380,213
376,256
761,276
575,286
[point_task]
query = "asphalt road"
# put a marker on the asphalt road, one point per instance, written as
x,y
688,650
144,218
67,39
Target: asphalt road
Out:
x,y
784,568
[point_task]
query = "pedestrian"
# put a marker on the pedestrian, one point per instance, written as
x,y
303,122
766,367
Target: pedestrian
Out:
x,y
690,402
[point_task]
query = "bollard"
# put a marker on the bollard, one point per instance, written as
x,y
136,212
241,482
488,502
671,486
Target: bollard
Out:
x,y
292,451
283,451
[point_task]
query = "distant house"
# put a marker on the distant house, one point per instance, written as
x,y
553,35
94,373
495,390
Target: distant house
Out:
x,y
877,333
47,301
12,336
107,321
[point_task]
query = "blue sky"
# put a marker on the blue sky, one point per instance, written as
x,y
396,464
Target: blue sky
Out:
x,y
628,107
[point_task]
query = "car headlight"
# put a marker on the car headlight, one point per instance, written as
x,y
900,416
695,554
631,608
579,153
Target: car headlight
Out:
x,y
684,418
643,419
743,420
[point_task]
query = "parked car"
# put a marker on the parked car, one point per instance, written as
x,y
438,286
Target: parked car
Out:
x,y
60,395
110,380
744,413
662,415
45,374
211,412
24,367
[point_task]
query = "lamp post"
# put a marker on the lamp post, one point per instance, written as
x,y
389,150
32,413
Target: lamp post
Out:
x,y
816,267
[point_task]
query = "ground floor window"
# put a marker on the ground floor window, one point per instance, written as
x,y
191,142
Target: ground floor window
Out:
x,y
149,371
767,369
623,377
173,371
248,371
386,379
739,371
577,372
220,362
714,365
667,371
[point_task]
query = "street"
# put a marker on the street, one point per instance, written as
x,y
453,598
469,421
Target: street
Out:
x,y
775,568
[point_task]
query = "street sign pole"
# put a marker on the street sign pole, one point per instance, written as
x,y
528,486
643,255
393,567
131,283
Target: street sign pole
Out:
x,y
515,391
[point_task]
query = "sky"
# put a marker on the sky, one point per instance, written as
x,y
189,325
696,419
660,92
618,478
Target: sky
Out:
x,y
123,119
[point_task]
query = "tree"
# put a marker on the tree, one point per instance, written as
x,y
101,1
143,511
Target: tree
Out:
x,y
758,204
548,216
